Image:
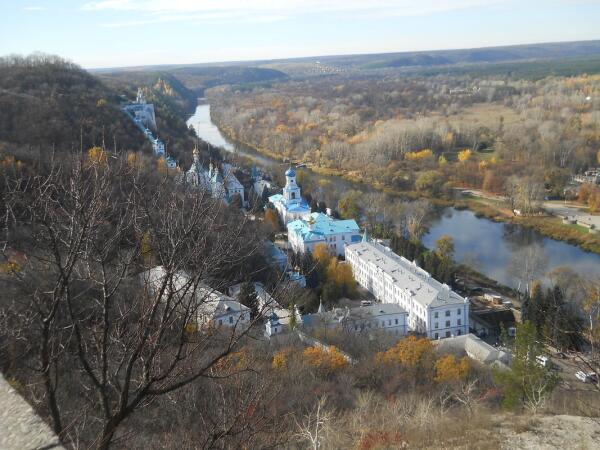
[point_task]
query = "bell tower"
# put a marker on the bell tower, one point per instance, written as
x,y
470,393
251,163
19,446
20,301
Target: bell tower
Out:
x,y
291,192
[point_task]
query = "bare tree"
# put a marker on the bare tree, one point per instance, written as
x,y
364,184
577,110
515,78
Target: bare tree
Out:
x,y
314,426
100,343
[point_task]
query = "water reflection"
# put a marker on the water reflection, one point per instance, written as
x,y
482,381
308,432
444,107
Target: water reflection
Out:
x,y
495,247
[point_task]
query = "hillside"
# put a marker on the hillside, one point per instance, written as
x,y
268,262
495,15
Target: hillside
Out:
x,y
47,101
535,59
192,80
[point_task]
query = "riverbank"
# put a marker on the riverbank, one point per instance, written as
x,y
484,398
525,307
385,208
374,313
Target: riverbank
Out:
x,y
547,225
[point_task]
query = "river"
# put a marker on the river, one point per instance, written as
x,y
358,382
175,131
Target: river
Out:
x,y
489,247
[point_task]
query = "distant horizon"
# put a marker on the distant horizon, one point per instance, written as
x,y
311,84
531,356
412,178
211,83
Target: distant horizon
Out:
x,y
102,34
331,55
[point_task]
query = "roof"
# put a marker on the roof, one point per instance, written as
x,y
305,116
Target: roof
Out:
x,y
339,315
231,180
290,172
277,198
316,226
211,302
475,348
407,275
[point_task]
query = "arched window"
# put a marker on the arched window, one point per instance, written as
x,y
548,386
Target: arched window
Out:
x,y
293,195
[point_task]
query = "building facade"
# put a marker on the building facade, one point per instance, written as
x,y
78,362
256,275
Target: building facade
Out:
x,y
220,186
318,228
290,205
390,318
212,308
433,308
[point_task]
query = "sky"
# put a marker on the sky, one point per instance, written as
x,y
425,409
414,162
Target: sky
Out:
x,y
117,33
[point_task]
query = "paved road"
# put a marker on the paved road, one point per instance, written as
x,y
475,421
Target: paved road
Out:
x,y
557,208
573,211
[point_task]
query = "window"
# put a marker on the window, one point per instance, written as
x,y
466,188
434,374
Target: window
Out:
x,y
458,322
447,313
458,311
230,319
447,334
436,336
396,321
390,322
435,315
447,323
343,237
458,333
436,325
293,195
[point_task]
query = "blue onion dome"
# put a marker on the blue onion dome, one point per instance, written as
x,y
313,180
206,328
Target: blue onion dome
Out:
x,y
290,172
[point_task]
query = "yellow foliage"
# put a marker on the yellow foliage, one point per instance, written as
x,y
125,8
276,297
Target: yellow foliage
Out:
x,y
161,165
10,267
98,156
101,103
464,155
191,328
410,351
321,254
448,139
448,369
483,165
272,219
281,358
493,160
341,274
442,161
420,155
132,160
329,360
281,128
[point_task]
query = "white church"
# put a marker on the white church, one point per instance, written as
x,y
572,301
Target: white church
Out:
x,y
220,186
290,205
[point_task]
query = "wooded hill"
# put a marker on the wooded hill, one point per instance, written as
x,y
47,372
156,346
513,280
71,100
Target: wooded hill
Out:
x,y
47,102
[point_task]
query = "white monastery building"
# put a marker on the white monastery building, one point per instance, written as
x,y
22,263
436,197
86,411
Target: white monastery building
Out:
x,y
318,228
221,186
364,319
290,205
213,309
433,308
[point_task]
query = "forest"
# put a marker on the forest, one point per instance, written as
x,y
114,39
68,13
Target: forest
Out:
x,y
425,134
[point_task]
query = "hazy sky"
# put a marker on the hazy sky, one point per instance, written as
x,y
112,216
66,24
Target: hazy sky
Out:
x,y
108,33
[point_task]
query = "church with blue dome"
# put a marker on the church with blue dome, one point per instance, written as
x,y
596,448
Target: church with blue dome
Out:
x,y
290,205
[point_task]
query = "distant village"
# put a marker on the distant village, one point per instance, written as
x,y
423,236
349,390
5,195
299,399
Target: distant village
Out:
x,y
400,298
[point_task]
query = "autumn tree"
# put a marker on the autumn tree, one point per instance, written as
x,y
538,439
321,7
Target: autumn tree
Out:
x,y
349,205
409,351
450,369
272,219
328,360
465,155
